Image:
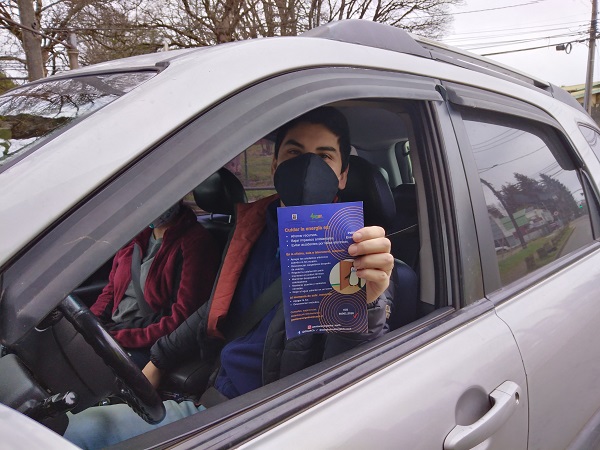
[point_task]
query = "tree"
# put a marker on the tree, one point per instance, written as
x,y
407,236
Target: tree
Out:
x,y
109,29
562,199
29,31
188,23
39,34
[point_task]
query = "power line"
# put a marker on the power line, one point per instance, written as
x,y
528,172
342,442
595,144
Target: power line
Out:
x,y
520,31
505,52
532,2
504,43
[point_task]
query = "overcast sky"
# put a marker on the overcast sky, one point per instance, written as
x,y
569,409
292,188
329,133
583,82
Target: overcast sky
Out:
x,y
492,26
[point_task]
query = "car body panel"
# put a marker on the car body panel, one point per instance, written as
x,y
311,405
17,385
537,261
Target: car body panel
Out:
x,y
407,405
557,335
19,431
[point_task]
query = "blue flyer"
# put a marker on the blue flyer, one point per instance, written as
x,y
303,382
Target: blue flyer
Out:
x,y
321,291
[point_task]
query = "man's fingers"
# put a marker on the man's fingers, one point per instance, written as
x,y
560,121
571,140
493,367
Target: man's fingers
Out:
x,y
378,261
368,233
370,246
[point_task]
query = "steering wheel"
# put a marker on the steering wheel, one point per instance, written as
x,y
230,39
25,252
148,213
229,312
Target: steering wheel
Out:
x,y
134,389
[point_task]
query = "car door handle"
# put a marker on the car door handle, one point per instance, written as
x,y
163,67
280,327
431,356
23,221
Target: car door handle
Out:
x,y
505,401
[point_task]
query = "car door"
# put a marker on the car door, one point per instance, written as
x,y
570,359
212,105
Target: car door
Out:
x,y
454,378
535,194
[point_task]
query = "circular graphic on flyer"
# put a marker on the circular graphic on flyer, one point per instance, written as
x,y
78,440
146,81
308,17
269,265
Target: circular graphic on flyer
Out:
x,y
341,227
339,312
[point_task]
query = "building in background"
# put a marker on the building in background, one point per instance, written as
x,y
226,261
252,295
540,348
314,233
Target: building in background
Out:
x,y
578,91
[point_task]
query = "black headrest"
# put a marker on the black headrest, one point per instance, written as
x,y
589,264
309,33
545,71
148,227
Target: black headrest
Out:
x,y
220,192
367,184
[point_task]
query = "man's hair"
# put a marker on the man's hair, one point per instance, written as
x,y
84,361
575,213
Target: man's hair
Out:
x,y
330,118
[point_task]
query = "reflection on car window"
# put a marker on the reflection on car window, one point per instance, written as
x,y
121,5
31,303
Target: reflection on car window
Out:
x,y
253,168
32,112
535,201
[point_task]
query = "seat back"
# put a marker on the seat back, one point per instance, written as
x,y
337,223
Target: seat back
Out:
x,y
403,294
404,232
366,183
218,195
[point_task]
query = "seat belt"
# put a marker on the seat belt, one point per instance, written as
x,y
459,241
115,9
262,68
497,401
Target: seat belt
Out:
x,y
241,327
136,263
257,311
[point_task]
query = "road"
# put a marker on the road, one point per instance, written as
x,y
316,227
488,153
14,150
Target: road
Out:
x,y
582,235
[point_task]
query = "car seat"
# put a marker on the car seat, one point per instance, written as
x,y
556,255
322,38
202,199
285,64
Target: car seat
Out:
x,y
404,232
218,195
366,183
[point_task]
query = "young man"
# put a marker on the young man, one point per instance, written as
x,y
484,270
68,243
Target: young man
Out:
x,y
309,166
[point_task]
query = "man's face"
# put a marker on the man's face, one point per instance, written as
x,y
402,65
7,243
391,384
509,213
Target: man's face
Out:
x,y
312,138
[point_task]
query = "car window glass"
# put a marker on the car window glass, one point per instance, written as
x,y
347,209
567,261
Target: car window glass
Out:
x,y
32,112
253,169
535,201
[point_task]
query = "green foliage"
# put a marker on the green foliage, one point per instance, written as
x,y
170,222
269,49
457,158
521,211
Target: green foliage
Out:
x,y
5,83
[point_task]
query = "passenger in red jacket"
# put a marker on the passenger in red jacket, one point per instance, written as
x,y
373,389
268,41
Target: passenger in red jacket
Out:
x,y
157,280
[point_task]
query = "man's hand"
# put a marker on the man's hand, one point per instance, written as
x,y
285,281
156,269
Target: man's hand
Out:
x,y
153,374
372,259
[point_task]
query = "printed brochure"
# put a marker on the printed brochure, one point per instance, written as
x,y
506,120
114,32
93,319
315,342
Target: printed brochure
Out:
x,y
321,291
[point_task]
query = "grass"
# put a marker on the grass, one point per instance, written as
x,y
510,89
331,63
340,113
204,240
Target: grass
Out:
x,y
514,265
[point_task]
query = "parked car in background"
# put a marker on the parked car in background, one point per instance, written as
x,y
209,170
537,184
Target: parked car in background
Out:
x,y
502,348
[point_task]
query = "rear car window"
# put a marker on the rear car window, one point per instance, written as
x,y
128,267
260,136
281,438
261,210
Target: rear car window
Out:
x,y
535,200
32,112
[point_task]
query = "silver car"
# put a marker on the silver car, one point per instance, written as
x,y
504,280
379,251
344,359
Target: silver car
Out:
x,y
491,349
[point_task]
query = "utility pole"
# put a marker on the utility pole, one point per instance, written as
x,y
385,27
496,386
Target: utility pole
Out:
x,y
589,80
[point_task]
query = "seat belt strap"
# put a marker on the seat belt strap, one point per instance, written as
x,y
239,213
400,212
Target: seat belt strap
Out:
x,y
259,309
236,329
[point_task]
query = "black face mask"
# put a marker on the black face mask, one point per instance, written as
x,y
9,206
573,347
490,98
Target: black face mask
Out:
x,y
305,180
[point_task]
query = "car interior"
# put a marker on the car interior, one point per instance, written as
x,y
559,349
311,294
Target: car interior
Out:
x,y
385,174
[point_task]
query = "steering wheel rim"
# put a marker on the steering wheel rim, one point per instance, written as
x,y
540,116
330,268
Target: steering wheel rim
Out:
x,y
135,388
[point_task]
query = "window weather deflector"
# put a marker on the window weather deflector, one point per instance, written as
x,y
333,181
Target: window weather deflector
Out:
x,y
478,98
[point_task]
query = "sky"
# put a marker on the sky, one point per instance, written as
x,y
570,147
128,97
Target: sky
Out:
x,y
493,26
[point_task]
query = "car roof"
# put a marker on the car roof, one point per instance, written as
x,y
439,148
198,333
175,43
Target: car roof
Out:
x,y
65,169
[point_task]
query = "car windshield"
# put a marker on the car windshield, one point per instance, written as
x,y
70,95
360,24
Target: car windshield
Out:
x,y
32,112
